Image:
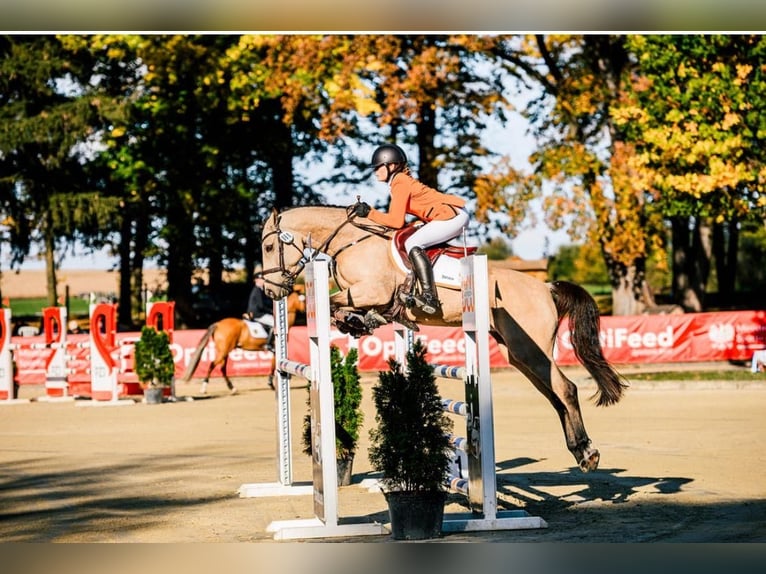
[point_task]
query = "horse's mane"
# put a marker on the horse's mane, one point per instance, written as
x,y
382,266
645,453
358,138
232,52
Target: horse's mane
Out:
x,y
293,207
364,226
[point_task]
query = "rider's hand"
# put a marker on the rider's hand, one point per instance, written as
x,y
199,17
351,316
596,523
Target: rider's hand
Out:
x,y
361,209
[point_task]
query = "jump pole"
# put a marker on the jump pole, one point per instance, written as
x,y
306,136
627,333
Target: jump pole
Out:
x,y
325,523
478,410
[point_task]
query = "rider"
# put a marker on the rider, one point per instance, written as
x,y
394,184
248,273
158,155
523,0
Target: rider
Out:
x,y
444,215
260,308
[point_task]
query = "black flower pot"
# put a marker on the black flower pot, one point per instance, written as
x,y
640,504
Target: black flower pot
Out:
x,y
153,395
345,468
416,515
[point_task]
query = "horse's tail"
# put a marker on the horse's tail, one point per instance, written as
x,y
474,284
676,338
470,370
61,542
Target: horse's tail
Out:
x,y
576,303
198,353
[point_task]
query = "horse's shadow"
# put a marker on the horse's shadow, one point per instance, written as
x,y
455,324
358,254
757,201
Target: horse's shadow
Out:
x,y
567,488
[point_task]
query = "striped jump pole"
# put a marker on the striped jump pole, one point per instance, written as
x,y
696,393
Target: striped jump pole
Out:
x,y
325,523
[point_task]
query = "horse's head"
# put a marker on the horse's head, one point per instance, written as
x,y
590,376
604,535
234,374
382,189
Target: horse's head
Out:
x,y
282,253
295,236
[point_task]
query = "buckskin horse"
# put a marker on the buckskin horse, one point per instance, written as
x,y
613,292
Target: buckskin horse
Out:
x,y
233,333
371,276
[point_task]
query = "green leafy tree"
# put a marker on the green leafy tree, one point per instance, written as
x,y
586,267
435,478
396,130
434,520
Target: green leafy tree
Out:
x,y
50,118
582,164
695,113
496,248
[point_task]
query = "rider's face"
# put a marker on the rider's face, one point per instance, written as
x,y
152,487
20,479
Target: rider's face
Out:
x,y
381,172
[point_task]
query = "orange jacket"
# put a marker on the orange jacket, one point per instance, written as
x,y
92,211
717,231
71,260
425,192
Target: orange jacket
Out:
x,y
410,197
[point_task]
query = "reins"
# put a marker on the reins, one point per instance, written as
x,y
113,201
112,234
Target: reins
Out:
x,y
310,253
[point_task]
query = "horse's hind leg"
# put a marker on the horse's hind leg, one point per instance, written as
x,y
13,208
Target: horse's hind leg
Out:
x,y
203,388
538,366
232,390
562,394
566,403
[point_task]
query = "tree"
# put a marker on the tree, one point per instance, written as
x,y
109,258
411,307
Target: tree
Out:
x,y
49,119
579,263
583,163
496,248
437,93
695,114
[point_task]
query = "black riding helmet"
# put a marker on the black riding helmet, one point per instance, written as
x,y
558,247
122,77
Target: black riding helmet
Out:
x,y
389,155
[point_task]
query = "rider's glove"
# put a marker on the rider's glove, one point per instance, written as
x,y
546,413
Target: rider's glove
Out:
x,y
361,209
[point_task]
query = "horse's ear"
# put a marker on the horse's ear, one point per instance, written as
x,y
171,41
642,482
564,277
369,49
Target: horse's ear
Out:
x,y
274,215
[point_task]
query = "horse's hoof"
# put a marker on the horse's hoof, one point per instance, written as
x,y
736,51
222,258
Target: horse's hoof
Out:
x,y
233,392
590,460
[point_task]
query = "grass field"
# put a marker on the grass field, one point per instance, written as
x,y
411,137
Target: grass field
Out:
x,y
33,307
741,374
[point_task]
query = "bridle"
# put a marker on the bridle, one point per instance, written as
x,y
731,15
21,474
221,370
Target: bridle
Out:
x,y
307,252
288,277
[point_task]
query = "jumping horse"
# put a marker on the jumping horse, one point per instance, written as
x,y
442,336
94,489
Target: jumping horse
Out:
x,y
233,333
371,275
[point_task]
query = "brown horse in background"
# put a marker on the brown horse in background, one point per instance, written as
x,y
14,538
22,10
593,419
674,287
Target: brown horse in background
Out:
x,y
233,333
525,312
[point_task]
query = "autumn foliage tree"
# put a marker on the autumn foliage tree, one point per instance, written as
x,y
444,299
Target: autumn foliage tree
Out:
x,y
582,164
695,114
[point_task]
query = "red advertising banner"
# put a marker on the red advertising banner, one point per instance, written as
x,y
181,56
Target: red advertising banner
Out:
x,y
635,339
724,336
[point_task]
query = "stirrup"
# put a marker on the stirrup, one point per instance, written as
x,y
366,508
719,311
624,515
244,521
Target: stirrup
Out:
x,y
428,304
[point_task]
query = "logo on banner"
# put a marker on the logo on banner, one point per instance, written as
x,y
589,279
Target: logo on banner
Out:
x,y
721,335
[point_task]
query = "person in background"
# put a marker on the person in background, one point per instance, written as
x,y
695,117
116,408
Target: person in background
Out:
x,y
758,361
260,308
444,218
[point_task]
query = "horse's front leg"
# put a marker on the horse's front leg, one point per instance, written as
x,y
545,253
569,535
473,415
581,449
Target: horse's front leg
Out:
x,y
364,294
355,309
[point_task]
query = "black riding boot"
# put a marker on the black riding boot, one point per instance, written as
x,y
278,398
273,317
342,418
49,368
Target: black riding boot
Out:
x,y
426,300
269,345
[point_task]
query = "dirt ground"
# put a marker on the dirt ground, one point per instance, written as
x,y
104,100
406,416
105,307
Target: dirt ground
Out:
x,y
680,462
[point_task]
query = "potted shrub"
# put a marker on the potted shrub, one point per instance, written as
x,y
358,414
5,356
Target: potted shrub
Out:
x,y
410,446
347,392
153,363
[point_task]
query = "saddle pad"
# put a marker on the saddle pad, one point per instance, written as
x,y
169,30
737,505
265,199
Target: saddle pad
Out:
x,y
257,330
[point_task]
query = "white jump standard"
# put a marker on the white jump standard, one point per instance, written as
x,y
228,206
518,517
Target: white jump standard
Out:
x,y
478,448
325,523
